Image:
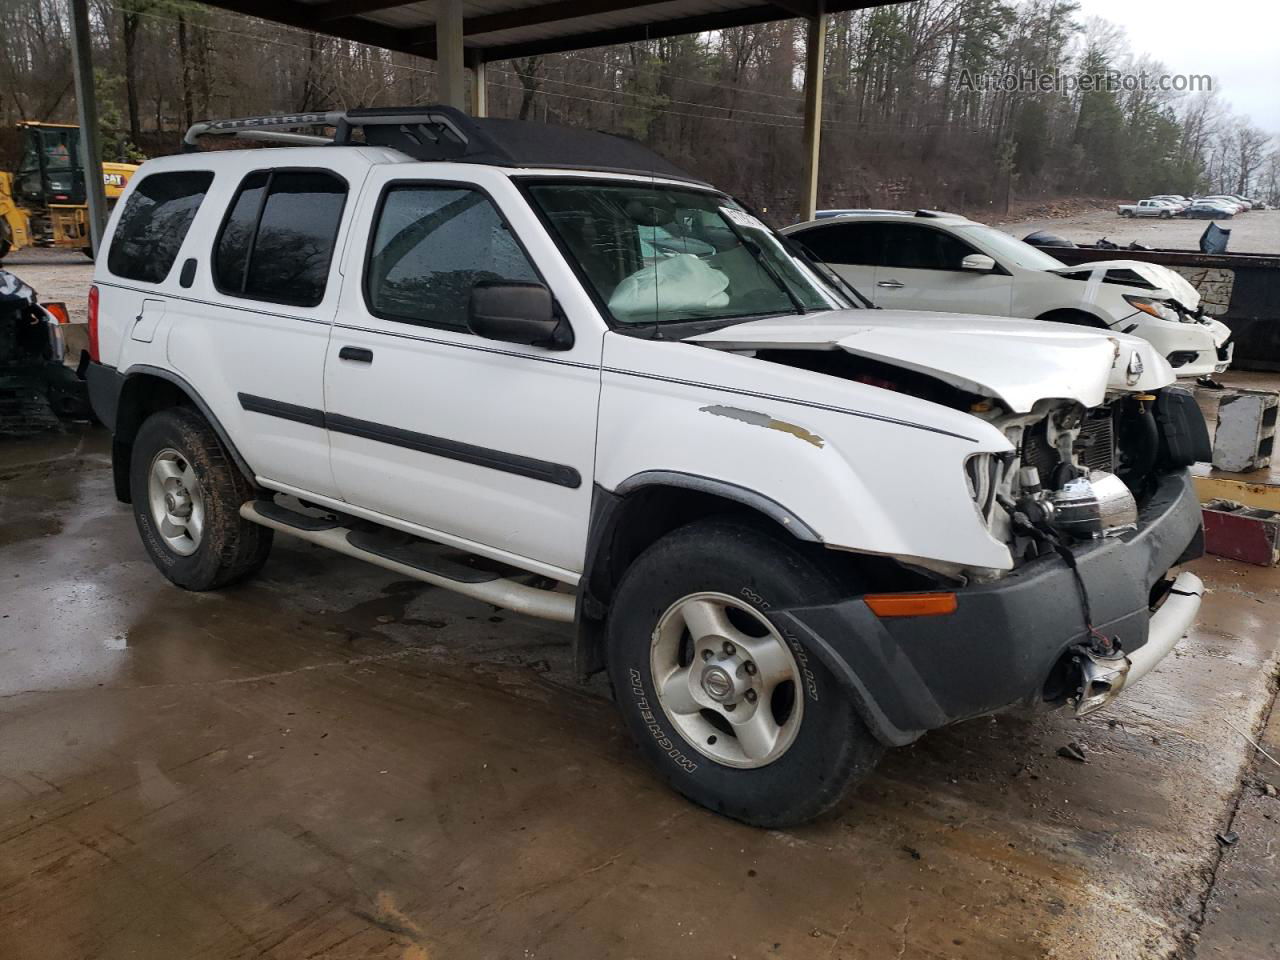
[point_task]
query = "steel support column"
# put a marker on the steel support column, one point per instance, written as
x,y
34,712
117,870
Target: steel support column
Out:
x,y
451,74
479,106
87,109
814,62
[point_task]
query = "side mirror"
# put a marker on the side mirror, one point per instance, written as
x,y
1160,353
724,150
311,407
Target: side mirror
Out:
x,y
517,313
978,262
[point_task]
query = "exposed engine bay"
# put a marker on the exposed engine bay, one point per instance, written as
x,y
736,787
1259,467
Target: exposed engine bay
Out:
x,y
1075,473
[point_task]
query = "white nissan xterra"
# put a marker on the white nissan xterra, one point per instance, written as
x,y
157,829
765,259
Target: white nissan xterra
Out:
x,y
549,370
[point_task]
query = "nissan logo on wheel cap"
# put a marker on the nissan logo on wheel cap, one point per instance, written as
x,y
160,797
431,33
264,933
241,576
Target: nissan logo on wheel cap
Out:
x,y
717,683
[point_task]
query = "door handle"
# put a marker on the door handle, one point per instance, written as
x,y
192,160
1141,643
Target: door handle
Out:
x,y
890,284
358,354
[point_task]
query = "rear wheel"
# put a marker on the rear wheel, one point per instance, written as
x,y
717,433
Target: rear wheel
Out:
x,y
732,714
186,496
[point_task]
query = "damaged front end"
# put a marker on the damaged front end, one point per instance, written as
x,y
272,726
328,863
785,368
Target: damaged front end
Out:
x,y
36,388
1091,496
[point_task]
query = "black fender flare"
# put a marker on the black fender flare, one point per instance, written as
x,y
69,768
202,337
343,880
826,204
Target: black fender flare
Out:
x,y
125,423
608,506
775,511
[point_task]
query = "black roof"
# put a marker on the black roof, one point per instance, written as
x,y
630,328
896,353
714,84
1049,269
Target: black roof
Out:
x,y
445,133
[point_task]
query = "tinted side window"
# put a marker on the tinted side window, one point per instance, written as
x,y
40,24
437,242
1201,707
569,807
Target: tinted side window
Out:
x,y
153,224
430,246
277,241
854,244
231,255
923,248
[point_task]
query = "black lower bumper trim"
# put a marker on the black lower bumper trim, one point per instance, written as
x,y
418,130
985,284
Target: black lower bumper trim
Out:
x,y
914,674
105,384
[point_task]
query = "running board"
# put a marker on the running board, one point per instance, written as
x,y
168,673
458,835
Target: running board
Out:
x,y
501,592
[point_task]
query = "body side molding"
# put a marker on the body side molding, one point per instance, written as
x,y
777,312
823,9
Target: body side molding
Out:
x,y
559,474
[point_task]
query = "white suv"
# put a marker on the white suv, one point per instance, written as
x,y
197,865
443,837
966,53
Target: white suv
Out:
x,y
937,261
548,370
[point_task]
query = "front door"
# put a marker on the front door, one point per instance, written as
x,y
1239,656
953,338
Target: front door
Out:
x,y
920,270
485,444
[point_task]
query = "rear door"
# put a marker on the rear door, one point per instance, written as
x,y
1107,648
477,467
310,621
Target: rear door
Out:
x,y
252,330
852,248
920,270
485,444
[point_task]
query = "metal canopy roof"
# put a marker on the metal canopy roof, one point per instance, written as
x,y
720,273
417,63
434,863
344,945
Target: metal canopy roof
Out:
x,y
502,29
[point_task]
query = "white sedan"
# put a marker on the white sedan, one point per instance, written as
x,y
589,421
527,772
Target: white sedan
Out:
x,y
947,263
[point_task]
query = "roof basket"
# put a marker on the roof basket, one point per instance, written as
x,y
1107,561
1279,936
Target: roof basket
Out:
x,y
445,133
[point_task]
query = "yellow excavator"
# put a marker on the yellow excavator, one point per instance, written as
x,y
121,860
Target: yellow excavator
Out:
x,y
44,203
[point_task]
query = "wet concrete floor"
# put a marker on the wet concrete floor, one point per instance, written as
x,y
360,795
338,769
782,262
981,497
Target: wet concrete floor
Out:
x,y
330,762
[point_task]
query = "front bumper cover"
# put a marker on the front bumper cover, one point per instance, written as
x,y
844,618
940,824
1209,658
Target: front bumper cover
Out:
x,y
913,674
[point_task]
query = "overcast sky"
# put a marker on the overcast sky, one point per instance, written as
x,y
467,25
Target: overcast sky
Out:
x,y
1235,41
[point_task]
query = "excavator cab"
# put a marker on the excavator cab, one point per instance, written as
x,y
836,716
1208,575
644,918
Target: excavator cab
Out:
x,y
50,172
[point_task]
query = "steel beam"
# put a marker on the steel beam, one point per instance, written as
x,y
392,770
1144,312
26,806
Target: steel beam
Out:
x,y
479,100
814,63
451,79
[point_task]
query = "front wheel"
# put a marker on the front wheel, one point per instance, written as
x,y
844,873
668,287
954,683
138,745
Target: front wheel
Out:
x,y
186,497
732,714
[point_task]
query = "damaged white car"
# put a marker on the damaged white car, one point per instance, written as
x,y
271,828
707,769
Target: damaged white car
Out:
x,y
547,370
944,262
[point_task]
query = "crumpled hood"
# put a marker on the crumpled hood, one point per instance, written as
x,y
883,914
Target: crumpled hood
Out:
x,y
1170,281
1016,361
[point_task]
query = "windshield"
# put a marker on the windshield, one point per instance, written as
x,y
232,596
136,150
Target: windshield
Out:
x,y
1007,249
658,254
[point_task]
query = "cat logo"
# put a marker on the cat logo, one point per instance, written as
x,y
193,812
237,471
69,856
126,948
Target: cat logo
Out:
x,y
113,179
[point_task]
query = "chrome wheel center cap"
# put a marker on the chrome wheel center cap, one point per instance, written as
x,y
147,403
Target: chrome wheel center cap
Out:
x,y
717,684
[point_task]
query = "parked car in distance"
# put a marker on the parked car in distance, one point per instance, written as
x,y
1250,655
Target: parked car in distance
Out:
x,y
944,262
1177,203
795,532
1204,209
1147,208
1234,203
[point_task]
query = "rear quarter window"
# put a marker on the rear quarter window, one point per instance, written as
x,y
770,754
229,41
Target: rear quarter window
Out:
x,y
154,222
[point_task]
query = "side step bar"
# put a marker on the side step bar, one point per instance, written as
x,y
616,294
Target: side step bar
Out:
x,y
501,592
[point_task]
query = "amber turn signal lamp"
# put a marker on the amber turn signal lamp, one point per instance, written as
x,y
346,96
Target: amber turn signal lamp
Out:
x,y
911,604
58,310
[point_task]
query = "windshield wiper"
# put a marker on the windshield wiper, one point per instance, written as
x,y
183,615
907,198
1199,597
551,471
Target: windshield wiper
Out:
x,y
825,270
758,253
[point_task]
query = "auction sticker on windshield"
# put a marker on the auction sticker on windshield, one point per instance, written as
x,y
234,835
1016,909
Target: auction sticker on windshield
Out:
x,y
742,218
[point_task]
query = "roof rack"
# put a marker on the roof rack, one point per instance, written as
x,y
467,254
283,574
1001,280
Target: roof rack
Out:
x,y
445,133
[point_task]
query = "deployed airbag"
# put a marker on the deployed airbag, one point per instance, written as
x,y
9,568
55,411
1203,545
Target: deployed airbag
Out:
x,y
671,284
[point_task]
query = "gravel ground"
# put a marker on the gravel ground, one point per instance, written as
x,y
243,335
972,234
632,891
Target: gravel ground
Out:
x,y
1257,231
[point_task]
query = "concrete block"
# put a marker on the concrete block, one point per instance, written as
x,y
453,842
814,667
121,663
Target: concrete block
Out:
x,y
1246,430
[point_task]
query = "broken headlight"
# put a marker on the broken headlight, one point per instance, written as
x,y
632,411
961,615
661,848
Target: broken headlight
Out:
x,y
1099,505
1159,309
